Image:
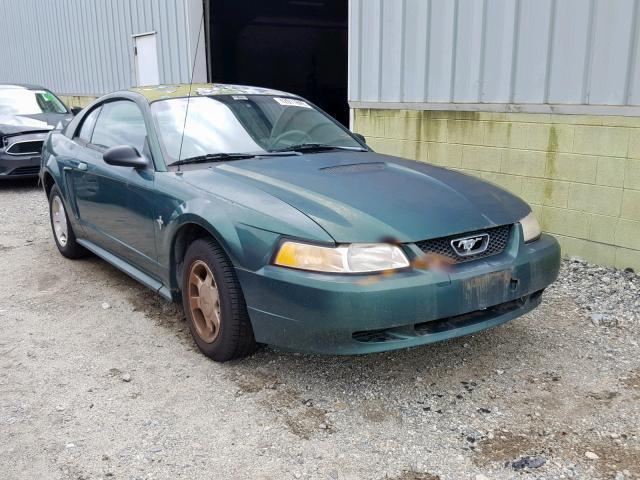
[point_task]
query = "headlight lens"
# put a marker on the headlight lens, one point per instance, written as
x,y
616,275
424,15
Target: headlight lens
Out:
x,y
530,228
354,258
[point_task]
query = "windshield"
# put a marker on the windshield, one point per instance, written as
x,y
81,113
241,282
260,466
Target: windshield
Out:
x,y
243,124
18,101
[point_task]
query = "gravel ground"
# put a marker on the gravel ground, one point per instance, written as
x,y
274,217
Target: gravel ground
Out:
x,y
100,379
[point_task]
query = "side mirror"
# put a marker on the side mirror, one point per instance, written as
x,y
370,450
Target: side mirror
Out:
x,y
124,156
360,137
75,110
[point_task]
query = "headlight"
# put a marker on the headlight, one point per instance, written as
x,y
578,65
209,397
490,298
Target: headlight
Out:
x,y
530,228
354,258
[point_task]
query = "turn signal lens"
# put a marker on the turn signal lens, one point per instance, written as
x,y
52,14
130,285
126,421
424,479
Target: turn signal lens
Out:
x,y
530,228
310,257
354,258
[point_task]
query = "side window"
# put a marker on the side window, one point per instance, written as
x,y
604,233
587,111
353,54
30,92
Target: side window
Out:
x,y
87,125
120,123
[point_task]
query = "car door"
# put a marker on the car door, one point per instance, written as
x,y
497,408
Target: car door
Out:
x,y
115,204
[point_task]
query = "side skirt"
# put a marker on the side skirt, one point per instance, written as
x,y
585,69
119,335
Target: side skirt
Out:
x,y
129,269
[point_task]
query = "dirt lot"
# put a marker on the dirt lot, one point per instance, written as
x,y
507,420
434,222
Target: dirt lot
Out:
x,y
100,379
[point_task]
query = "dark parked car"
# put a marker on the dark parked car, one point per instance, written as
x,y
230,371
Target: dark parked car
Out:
x,y
274,224
27,114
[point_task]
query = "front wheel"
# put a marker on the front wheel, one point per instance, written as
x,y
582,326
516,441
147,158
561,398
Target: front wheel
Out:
x,y
62,231
214,304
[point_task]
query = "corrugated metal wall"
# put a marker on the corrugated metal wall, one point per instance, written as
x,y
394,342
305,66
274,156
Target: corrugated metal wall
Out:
x,y
583,52
85,46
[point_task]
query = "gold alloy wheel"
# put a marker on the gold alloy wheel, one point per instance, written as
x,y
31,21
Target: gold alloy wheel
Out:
x,y
204,301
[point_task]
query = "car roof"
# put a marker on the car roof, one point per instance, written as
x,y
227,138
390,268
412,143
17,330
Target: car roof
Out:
x,y
161,92
25,86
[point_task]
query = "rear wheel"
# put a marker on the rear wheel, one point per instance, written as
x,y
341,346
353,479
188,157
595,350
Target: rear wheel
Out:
x,y
63,233
214,304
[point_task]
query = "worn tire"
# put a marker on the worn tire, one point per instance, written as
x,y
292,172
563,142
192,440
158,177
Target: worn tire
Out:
x,y
71,248
235,336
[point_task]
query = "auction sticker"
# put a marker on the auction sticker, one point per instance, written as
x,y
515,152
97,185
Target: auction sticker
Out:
x,y
292,102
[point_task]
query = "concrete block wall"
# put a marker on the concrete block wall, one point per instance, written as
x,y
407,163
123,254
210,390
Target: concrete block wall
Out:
x,y
580,173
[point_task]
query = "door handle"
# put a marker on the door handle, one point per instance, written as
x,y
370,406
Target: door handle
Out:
x,y
82,167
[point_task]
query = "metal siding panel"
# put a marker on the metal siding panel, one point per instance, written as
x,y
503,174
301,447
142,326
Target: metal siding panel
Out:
x,y
106,72
121,47
114,38
62,21
31,46
128,18
633,80
148,16
36,51
164,49
85,47
473,51
531,55
469,50
441,44
139,15
354,33
72,47
181,35
172,31
392,50
95,45
498,51
6,38
155,26
609,65
73,77
371,43
89,52
415,50
108,40
178,67
61,40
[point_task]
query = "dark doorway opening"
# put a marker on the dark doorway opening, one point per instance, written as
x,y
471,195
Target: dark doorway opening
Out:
x,y
299,46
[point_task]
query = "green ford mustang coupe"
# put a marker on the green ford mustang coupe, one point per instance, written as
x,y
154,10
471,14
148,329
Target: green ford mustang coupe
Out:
x,y
274,224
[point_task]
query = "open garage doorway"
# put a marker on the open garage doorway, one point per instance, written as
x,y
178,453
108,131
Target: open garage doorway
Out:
x,y
299,46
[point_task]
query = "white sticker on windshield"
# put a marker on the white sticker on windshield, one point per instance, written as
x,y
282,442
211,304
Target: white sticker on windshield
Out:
x,y
292,102
239,97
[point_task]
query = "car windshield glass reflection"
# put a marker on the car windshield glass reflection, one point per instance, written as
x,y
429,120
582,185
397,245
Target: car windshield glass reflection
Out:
x,y
234,124
17,101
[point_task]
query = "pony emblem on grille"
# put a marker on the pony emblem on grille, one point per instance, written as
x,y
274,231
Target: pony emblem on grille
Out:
x,y
470,245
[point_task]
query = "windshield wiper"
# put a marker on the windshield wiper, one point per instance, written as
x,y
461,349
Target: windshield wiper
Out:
x,y
316,147
220,157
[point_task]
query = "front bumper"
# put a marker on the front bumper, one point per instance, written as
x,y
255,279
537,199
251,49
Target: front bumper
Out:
x,y
19,166
338,314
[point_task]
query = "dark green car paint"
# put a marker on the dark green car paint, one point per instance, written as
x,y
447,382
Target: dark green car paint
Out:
x,y
136,219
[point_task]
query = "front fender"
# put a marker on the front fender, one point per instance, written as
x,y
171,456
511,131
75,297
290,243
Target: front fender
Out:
x,y
246,222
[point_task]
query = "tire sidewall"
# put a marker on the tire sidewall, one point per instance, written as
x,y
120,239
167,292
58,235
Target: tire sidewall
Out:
x,y
200,250
66,249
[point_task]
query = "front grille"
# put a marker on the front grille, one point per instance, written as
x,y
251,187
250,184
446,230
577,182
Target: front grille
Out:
x,y
25,148
498,239
34,170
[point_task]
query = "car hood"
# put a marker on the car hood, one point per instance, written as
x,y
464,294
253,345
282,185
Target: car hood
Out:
x,y
367,197
12,124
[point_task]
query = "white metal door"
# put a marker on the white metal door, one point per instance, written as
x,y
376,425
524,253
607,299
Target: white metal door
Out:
x,y
146,59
